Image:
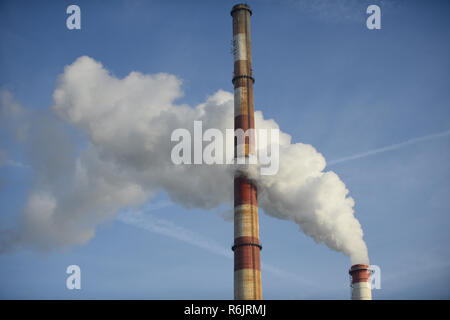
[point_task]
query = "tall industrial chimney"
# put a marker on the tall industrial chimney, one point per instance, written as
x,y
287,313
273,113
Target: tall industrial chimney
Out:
x,y
361,289
247,265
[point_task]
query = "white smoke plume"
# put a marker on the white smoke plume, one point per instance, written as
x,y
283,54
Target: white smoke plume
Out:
x,y
127,124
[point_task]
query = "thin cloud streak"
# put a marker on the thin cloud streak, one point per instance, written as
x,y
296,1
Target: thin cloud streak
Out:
x,y
4,161
338,11
16,164
146,221
390,148
169,229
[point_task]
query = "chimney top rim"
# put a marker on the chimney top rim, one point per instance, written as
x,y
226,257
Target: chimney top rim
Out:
x,y
241,6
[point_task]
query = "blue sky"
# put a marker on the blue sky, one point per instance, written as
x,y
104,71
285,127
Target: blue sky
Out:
x,y
320,73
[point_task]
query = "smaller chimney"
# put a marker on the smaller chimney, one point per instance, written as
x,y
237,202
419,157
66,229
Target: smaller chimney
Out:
x,y
361,289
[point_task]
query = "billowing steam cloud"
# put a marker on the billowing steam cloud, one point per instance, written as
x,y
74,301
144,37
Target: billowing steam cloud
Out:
x,y
127,124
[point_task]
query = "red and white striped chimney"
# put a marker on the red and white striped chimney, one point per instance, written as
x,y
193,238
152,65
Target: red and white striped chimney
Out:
x,y
247,264
361,288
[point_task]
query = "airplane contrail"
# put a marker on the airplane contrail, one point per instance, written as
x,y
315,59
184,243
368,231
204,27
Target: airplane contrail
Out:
x,y
167,228
390,148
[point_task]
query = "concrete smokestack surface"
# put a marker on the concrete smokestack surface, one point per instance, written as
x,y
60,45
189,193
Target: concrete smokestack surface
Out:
x,y
247,265
361,289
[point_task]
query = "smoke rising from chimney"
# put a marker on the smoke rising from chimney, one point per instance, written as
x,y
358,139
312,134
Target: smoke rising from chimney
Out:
x,y
127,124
